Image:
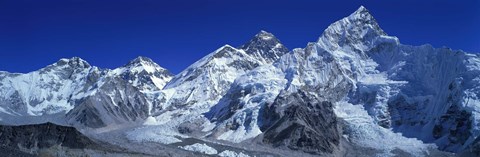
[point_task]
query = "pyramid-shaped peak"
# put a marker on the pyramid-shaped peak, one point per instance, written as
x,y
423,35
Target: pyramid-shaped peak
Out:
x,y
264,35
359,30
362,18
226,46
144,62
362,13
141,59
222,51
265,47
361,9
261,38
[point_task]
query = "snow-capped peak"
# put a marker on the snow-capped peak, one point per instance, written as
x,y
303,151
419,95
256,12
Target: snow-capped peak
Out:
x,y
144,73
206,80
140,60
355,77
141,63
264,35
265,47
363,16
359,31
223,50
362,9
75,62
215,59
218,53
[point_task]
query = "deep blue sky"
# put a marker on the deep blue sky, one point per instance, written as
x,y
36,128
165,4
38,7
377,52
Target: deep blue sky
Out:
x,y
109,33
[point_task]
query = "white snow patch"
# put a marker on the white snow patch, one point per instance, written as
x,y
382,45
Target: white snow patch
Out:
x,y
202,148
229,153
150,121
362,131
147,134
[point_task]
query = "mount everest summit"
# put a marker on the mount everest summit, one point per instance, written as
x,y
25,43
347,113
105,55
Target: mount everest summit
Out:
x,y
356,91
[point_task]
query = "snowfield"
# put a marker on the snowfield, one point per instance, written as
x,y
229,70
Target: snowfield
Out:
x,y
228,153
362,130
202,148
153,134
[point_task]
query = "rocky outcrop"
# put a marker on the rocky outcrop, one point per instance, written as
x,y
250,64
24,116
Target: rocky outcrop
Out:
x,y
32,138
115,102
301,121
265,47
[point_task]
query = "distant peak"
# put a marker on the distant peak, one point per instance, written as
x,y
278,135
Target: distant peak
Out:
x,y
140,64
140,59
265,47
74,62
264,35
76,59
263,32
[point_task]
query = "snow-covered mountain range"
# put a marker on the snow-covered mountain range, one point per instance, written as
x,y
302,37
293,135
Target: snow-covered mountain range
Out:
x,y
356,91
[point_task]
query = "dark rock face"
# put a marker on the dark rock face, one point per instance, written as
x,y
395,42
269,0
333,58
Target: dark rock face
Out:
x,y
231,101
31,138
115,102
472,150
301,121
265,46
455,124
7,151
402,112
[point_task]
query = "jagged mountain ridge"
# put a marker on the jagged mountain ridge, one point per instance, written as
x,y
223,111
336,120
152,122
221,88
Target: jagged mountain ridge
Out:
x,y
209,78
71,84
101,97
355,62
367,84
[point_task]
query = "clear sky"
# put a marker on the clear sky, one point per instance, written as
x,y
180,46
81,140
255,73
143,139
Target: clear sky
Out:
x,y
109,33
